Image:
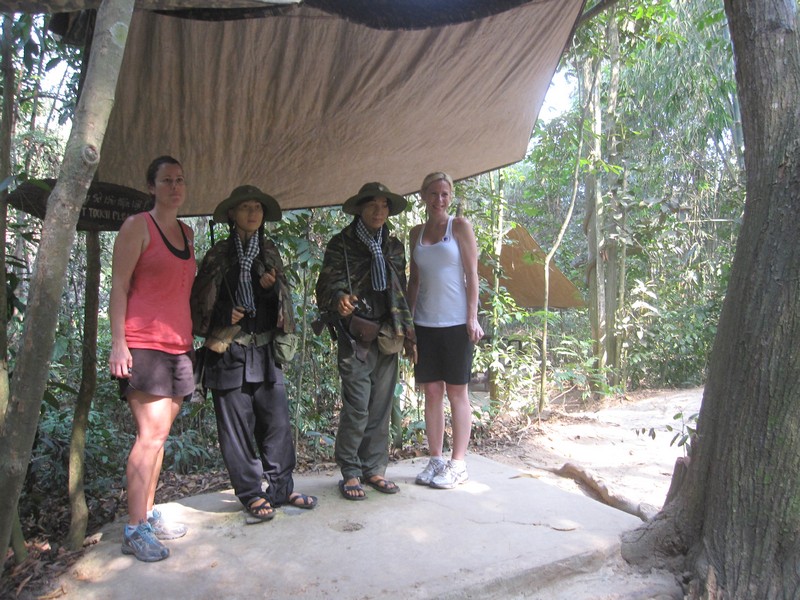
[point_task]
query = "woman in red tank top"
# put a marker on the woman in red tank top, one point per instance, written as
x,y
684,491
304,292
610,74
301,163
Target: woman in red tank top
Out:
x,y
151,344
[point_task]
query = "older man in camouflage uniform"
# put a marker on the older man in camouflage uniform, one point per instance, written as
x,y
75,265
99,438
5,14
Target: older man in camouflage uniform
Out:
x,y
364,274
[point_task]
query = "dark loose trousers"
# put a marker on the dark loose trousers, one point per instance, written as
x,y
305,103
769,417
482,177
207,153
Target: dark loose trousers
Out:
x,y
260,408
362,441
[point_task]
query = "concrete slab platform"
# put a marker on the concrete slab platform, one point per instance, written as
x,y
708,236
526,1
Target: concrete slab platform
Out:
x,y
501,534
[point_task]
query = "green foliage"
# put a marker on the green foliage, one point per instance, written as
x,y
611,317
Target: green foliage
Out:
x,y
408,419
540,193
512,364
190,452
321,445
575,368
683,434
312,378
671,183
48,472
192,444
13,302
38,143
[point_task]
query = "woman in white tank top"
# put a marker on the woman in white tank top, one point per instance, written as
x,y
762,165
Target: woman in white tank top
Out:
x,y
443,297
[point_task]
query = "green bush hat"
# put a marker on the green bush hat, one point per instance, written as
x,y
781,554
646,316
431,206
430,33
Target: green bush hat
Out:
x,y
272,210
397,203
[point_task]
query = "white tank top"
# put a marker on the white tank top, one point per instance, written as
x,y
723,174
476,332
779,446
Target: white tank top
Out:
x,y
442,296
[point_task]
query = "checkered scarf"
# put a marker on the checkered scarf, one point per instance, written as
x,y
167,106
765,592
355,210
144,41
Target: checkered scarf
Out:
x,y
378,263
244,292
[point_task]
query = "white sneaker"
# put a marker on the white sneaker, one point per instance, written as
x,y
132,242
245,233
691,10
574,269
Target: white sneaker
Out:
x,y
166,530
435,466
450,477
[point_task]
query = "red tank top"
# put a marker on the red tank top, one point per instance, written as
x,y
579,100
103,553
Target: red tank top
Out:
x,y
158,315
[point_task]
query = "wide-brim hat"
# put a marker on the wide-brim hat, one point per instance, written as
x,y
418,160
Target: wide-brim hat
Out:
x,y
397,203
272,210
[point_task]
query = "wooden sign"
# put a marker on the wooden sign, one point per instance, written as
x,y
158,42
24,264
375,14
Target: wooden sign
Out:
x,y
107,204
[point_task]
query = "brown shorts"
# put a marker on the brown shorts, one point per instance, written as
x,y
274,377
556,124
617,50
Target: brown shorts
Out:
x,y
159,374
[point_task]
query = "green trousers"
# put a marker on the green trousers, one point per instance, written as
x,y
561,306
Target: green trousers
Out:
x,y
362,441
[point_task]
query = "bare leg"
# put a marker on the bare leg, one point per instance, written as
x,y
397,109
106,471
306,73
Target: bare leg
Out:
x,y
462,419
151,493
434,416
153,416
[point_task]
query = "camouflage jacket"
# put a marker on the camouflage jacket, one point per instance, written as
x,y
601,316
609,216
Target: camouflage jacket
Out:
x,y
208,284
332,282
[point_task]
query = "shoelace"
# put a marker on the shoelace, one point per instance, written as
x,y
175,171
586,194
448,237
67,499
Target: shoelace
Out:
x,y
147,532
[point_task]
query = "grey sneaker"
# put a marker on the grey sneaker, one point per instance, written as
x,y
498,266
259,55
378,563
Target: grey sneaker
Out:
x,y
431,470
142,543
450,477
165,530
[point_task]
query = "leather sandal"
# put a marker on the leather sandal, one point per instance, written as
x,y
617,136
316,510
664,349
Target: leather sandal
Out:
x,y
257,507
299,500
344,489
382,484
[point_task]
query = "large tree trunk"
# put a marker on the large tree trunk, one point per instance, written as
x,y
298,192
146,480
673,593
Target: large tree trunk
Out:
x,y
737,517
80,163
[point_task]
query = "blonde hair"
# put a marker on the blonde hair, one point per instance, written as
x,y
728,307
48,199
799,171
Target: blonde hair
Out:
x,y
434,177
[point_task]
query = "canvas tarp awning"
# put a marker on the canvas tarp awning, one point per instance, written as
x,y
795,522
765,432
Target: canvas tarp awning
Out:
x,y
522,261
309,106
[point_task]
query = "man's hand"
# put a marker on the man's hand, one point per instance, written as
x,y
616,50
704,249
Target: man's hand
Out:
x,y
347,304
268,279
410,350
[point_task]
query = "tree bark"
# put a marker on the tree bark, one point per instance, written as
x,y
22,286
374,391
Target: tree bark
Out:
x,y
594,226
6,133
612,183
738,515
498,204
79,512
80,163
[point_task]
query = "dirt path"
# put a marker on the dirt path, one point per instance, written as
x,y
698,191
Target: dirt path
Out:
x,y
634,465
606,441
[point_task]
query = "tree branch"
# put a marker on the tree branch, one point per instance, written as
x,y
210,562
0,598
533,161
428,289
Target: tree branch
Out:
x,y
602,5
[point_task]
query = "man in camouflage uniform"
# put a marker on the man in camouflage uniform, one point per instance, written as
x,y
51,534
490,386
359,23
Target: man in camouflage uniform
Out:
x,y
240,301
364,273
